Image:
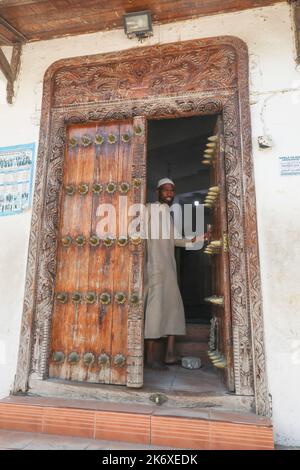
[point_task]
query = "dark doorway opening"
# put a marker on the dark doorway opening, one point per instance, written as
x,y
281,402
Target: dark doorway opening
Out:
x,y
175,150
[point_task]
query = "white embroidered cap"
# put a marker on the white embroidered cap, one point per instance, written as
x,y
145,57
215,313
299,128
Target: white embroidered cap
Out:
x,y
164,181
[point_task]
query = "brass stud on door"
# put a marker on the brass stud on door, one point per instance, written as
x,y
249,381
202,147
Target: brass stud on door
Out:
x,y
91,297
108,241
97,188
73,142
215,300
124,187
103,360
105,298
58,356
211,198
70,189
83,189
138,130
126,138
66,241
62,297
216,243
209,153
213,138
73,357
120,298
80,240
119,360
214,355
112,139
136,183
111,187
86,140
214,189
211,145
134,299
123,240
88,358
222,364
76,297
99,139
135,239
94,240
211,353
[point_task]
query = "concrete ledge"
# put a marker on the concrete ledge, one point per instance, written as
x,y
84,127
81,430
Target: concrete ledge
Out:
x,y
179,428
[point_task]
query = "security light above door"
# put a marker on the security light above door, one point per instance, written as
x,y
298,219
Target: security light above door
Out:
x,y
138,24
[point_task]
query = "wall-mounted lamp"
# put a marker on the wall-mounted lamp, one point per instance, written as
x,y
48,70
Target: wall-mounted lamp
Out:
x,y
138,25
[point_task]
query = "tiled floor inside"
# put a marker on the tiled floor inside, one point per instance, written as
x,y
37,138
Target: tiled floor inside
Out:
x,y
15,440
176,378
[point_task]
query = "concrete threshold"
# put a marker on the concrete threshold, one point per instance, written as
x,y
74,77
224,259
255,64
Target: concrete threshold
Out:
x,y
57,388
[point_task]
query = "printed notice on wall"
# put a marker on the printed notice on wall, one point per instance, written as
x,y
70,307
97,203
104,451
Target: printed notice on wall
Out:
x,y
290,165
16,172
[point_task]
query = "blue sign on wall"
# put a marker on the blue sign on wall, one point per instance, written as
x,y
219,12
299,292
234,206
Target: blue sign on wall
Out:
x,y
290,165
16,174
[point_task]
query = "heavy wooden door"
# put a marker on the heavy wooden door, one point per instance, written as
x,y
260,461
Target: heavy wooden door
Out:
x,y
94,289
221,340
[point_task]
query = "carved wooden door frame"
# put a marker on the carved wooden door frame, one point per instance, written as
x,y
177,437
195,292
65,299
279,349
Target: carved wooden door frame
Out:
x,y
198,77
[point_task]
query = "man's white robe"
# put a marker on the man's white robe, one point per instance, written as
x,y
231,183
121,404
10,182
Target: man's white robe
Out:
x,y
164,311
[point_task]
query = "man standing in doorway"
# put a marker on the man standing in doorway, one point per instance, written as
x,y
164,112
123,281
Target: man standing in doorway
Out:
x,y
164,311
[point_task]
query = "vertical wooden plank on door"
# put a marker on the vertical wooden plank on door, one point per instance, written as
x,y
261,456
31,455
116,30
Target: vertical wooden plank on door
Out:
x,y
220,262
62,317
121,266
72,267
135,358
102,257
82,222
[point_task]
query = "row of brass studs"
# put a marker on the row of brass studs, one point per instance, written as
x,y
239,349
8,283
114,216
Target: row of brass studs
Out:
x,y
211,197
215,300
98,188
213,248
94,240
210,151
91,298
89,358
217,359
99,139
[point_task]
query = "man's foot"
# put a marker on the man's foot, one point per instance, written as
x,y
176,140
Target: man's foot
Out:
x,y
173,360
155,365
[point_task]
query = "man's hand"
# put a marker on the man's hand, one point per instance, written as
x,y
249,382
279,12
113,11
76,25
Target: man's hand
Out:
x,y
205,237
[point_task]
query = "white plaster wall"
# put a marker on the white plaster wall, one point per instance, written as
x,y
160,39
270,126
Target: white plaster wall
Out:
x,y
275,107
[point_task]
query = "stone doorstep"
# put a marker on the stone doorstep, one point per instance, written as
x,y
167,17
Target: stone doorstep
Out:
x,y
140,424
58,388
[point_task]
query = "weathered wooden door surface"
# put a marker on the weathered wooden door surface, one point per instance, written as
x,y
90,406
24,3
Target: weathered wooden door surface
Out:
x,y
93,290
218,250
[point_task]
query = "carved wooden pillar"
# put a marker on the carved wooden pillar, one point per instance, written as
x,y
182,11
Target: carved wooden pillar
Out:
x,y
296,8
10,36
10,70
